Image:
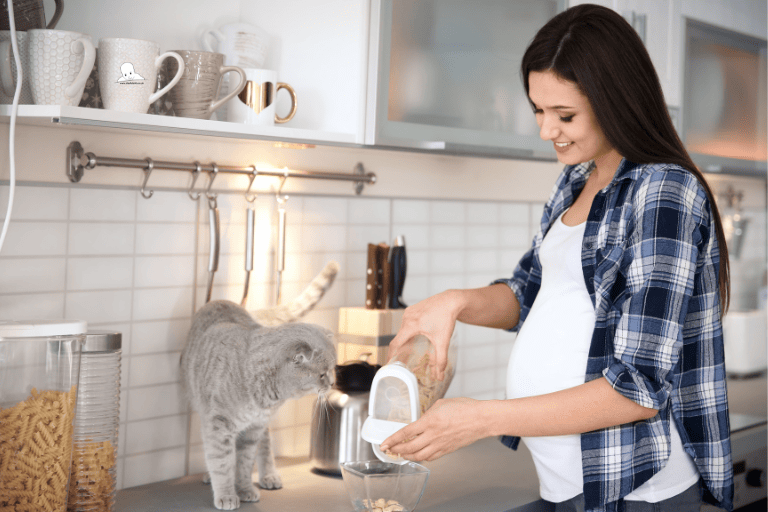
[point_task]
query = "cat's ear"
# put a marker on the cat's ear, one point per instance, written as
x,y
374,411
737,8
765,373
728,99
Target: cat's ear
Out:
x,y
303,353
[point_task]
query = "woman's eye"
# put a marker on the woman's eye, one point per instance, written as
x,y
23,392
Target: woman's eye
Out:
x,y
567,119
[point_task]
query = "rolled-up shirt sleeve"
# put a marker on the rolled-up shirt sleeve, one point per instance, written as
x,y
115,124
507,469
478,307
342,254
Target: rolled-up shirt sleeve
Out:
x,y
670,226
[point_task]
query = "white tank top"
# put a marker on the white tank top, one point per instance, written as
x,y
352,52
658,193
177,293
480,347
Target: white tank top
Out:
x,y
550,354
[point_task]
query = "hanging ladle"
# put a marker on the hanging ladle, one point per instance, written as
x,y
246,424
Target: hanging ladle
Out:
x,y
280,257
250,219
213,231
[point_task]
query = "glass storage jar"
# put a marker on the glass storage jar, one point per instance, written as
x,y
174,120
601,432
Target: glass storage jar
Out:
x,y
92,484
39,372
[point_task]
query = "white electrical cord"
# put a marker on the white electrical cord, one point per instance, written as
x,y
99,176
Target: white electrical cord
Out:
x,y
14,110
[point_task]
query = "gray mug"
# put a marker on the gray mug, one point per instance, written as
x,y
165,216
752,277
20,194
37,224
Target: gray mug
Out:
x,y
195,94
28,14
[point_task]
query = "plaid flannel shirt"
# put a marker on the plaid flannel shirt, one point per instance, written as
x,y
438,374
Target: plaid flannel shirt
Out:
x,y
650,259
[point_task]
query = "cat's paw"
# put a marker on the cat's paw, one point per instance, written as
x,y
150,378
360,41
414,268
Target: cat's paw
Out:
x,y
207,478
227,502
250,495
270,481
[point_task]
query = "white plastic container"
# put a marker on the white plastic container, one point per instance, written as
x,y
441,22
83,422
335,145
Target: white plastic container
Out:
x,y
402,391
39,372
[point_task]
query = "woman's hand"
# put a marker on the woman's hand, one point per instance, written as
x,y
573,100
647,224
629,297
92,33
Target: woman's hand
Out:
x,y
448,425
435,318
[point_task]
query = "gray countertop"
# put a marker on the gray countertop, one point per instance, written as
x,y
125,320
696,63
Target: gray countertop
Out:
x,y
485,476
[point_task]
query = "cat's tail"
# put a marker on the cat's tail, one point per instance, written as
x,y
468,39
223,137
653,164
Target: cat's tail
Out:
x,y
302,304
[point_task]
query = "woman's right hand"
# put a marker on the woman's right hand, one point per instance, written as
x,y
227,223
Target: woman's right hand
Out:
x,y
435,318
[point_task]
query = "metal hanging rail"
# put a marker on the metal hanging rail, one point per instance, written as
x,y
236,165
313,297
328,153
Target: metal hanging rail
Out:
x,y
78,161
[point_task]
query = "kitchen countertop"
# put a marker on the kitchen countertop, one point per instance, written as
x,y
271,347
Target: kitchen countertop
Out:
x,y
483,477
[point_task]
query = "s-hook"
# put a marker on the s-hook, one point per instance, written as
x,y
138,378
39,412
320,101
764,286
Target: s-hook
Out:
x,y
195,174
250,218
147,172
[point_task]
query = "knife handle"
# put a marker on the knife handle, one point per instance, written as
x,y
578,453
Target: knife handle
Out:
x,y
371,273
398,269
382,257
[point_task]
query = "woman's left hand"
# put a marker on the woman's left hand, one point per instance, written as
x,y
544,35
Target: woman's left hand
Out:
x,y
448,425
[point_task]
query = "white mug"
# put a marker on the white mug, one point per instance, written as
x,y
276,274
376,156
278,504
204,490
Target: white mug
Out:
x,y
243,45
128,73
256,102
60,62
8,74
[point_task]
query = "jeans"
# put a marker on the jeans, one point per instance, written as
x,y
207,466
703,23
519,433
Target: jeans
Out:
x,y
687,501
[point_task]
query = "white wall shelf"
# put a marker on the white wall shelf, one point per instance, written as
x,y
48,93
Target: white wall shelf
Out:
x,y
47,114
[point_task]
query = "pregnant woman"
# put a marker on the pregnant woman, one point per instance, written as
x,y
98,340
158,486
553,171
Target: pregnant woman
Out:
x,y
616,381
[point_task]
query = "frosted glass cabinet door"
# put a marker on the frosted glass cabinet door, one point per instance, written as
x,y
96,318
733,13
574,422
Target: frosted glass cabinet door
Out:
x,y
445,75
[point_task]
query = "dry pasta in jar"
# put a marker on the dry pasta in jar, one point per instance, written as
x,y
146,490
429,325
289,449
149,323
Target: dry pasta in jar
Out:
x,y
36,452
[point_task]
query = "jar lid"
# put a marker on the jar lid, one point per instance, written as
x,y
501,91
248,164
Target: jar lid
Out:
x,y
100,341
40,328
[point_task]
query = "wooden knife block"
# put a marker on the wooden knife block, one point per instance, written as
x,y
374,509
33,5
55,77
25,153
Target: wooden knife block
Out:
x,y
367,331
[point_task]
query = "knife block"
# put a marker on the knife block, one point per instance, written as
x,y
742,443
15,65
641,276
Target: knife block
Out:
x,y
366,333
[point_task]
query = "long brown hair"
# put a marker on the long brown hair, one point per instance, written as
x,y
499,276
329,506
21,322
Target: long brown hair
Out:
x,y
599,51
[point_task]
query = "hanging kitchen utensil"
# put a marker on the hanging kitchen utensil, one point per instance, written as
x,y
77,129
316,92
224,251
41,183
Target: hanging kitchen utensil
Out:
x,y
280,256
214,235
250,220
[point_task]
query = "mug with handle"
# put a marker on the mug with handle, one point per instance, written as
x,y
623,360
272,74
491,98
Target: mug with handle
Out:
x,y
128,73
242,44
196,94
256,102
28,14
59,64
8,73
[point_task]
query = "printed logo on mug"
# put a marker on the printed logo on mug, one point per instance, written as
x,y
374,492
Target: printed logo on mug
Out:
x,y
128,73
256,102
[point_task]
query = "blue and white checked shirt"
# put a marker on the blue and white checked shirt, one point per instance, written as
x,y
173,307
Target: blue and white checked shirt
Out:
x,y
650,259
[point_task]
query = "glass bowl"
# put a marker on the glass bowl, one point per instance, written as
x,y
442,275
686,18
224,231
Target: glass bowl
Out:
x,y
375,486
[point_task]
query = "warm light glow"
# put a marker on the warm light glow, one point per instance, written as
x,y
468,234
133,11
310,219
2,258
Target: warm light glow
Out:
x,y
293,145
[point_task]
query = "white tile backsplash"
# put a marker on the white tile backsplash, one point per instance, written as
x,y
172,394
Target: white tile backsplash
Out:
x,y
99,273
94,204
140,266
25,275
35,238
36,203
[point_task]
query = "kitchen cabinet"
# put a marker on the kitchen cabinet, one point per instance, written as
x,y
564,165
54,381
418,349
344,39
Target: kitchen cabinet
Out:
x,y
659,25
444,76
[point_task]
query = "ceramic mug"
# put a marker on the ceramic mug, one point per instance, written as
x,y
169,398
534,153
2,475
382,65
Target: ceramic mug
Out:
x,y
128,73
256,102
59,64
28,14
8,74
196,94
242,44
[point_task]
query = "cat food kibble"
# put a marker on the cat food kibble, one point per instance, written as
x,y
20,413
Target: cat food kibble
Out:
x,y
35,452
382,505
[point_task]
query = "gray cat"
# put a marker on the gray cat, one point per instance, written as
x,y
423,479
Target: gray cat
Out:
x,y
236,372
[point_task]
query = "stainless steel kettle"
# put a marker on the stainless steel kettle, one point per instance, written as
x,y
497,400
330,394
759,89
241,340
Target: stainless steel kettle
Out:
x,y
336,425
28,14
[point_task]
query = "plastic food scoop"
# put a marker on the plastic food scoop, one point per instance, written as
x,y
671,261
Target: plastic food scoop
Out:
x,y
393,404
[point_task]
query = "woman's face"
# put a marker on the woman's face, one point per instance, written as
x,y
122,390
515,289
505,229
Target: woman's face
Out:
x,y
565,117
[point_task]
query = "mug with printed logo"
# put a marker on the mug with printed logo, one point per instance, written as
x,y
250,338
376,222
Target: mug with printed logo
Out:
x,y
128,73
